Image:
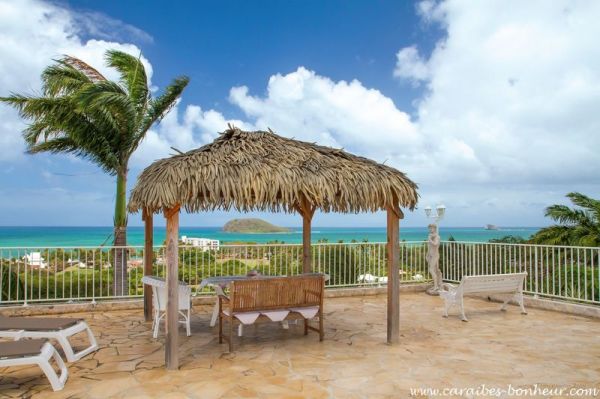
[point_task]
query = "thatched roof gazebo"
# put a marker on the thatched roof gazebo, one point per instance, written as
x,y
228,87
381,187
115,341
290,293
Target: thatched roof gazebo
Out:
x,y
261,171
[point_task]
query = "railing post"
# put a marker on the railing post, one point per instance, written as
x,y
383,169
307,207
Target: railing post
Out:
x,y
25,287
535,262
148,253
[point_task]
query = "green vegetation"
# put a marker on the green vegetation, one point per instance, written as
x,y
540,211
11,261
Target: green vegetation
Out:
x,y
82,113
508,240
579,226
252,226
11,284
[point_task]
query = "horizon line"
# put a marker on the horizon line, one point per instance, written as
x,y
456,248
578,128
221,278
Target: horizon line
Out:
x,y
300,227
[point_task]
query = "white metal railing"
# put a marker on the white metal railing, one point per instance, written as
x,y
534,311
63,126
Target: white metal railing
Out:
x,y
51,274
560,272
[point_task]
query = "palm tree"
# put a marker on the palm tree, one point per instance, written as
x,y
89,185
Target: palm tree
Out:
x,y
577,226
83,113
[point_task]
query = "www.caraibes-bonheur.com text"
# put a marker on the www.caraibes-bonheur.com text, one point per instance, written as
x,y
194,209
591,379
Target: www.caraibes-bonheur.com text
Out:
x,y
483,390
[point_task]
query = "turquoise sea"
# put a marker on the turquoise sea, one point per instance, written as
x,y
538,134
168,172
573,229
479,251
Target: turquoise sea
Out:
x,y
94,236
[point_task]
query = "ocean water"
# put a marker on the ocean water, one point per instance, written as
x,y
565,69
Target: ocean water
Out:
x,y
12,236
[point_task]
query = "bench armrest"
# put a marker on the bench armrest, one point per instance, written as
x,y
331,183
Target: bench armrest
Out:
x,y
224,298
447,289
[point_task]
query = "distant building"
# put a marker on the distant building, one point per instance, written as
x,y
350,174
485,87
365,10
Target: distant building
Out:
x,y
205,244
35,259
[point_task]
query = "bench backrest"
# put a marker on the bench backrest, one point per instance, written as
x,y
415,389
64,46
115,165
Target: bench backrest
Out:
x,y
511,282
277,292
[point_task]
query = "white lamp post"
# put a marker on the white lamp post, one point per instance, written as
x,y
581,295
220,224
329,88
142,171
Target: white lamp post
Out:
x,y
440,211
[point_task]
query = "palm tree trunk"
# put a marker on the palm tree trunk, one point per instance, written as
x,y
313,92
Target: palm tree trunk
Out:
x,y
121,280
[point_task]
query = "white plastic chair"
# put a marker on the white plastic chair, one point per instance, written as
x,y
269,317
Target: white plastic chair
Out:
x,y
159,302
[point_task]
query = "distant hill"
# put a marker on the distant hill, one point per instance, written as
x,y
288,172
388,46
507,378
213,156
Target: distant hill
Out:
x,y
252,226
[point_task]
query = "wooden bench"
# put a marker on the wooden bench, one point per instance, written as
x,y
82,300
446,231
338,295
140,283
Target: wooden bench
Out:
x,y
272,299
510,285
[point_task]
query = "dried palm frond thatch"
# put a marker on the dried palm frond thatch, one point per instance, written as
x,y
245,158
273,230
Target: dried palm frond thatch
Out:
x,y
266,172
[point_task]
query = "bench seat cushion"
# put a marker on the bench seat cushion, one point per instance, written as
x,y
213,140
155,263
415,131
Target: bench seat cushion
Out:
x,y
23,348
276,315
308,312
244,317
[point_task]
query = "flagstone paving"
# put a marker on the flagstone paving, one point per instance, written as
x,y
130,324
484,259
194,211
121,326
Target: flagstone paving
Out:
x,y
494,348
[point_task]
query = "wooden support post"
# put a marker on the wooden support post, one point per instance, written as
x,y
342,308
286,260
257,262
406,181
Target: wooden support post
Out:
x,y
172,325
148,259
393,285
307,211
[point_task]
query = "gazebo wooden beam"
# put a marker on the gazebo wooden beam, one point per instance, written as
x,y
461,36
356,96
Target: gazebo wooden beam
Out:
x,y
171,344
394,214
307,210
148,218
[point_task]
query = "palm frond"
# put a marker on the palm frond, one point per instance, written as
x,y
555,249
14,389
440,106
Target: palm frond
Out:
x,y
590,205
91,72
564,214
62,79
553,235
133,75
109,102
159,107
577,226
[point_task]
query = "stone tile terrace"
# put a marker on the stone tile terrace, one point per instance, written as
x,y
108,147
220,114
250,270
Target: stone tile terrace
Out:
x,y
494,348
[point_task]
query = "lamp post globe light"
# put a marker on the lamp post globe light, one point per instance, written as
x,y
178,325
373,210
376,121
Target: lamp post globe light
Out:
x,y
440,211
433,246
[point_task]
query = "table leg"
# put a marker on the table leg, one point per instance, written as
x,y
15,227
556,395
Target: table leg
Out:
x,y
215,314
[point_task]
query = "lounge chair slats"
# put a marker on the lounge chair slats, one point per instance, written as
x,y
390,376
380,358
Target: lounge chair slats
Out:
x,y
26,347
37,323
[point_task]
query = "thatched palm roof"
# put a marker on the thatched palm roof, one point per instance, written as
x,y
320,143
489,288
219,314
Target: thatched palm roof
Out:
x,y
263,171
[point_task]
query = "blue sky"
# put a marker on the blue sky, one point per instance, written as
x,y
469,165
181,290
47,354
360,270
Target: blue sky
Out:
x,y
484,106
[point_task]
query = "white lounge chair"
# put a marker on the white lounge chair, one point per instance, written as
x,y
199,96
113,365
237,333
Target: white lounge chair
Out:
x,y
159,302
35,351
57,328
367,278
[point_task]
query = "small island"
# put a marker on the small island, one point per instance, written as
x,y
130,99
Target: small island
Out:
x,y
252,226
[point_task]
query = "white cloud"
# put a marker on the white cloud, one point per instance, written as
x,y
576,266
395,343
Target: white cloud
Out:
x,y
98,25
310,107
517,85
33,33
410,65
507,122
191,130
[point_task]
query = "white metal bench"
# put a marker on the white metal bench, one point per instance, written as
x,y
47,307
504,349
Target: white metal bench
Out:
x,y
510,285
